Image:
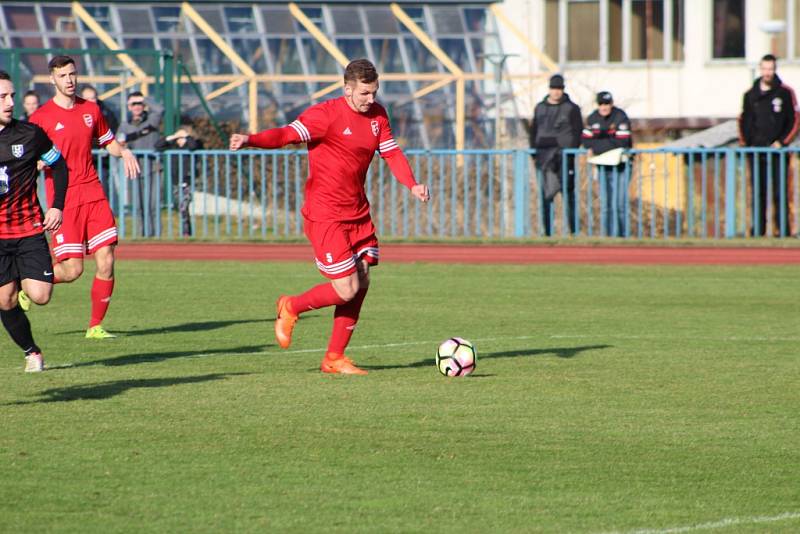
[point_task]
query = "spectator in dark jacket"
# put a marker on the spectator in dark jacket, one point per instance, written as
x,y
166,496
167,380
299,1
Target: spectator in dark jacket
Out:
x,y
30,103
556,125
608,131
178,169
769,119
89,93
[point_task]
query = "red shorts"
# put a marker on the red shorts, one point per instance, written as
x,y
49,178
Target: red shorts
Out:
x,y
338,245
84,229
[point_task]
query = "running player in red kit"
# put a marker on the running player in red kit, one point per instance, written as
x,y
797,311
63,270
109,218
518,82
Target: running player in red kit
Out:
x,y
342,136
88,225
24,256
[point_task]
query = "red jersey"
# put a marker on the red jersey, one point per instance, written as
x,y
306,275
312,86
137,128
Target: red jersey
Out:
x,y
341,145
72,131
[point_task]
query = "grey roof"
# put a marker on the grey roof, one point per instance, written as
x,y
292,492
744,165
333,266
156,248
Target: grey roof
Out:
x,y
722,134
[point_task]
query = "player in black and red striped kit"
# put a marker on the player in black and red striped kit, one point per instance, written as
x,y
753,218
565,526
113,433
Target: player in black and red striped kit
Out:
x,y
24,254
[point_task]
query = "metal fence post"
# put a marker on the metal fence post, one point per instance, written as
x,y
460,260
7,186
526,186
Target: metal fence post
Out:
x,y
521,195
730,193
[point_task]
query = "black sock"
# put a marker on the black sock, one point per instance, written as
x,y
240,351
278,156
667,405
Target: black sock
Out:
x,y
19,328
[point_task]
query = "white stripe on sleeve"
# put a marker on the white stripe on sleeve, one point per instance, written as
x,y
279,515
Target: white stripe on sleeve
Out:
x,y
301,130
106,137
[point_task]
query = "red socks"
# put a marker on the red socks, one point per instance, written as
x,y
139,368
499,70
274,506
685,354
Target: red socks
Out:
x,y
344,322
315,298
101,297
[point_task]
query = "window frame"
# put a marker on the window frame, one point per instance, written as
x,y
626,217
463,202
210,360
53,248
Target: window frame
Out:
x,y
603,43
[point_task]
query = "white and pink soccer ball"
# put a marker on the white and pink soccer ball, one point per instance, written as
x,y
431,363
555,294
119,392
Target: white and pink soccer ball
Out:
x,y
456,357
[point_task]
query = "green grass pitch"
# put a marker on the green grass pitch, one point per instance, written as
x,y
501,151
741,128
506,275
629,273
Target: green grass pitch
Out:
x,y
605,399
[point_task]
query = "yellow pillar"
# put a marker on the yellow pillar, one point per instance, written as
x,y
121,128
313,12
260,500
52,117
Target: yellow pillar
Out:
x,y
107,40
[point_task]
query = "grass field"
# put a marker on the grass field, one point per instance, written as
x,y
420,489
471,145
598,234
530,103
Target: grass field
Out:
x,y
605,399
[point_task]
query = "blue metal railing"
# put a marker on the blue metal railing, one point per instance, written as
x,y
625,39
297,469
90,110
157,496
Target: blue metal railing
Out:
x,y
656,193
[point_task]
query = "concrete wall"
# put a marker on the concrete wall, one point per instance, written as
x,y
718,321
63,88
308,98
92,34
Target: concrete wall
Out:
x,y
697,87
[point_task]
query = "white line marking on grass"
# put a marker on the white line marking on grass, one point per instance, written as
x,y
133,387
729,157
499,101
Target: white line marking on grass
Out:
x,y
722,523
635,337
390,345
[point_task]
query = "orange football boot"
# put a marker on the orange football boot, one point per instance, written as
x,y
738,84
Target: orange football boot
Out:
x,y
341,365
284,322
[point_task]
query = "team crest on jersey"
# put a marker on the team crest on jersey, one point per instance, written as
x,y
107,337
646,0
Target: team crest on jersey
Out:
x,y
777,104
375,129
17,150
88,120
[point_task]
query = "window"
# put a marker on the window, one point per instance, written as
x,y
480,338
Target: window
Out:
x,y
677,31
345,20
614,30
278,20
647,29
583,30
135,20
381,20
728,29
551,25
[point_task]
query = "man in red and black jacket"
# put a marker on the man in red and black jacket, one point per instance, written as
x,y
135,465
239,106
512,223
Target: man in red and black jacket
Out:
x,y
608,128
769,119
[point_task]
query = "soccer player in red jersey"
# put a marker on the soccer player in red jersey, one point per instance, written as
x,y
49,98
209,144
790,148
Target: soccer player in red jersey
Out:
x,y
342,136
88,225
24,256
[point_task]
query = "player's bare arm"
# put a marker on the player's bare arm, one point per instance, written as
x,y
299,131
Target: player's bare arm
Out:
x,y
132,169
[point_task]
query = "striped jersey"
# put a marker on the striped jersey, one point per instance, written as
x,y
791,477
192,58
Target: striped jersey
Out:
x,y
72,131
22,145
341,145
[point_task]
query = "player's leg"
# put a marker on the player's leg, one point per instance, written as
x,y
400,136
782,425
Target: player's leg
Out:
x,y
334,258
67,245
102,289
102,238
13,318
67,270
345,317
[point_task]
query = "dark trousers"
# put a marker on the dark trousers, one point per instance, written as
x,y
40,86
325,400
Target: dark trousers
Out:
x,y
765,172
570,200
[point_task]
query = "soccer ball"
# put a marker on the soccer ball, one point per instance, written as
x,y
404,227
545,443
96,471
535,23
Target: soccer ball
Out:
x,y
456,357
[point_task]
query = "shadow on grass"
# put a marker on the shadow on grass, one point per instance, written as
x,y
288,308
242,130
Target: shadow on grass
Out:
x,y
150,357
106,390
560,352
201,326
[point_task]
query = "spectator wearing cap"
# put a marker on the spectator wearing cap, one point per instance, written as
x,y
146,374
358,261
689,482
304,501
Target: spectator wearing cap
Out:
x,y
141,131
607,136
556,125
769,119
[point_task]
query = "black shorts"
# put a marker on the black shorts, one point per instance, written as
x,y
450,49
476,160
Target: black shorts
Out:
x,y
25,257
